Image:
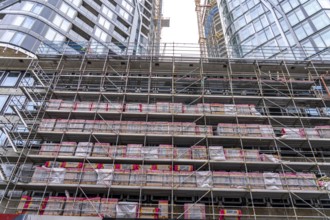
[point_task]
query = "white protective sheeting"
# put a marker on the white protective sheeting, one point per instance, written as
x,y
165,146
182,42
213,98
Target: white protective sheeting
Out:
x,y
57,175
204,179
217,153
272,181
104,176
126,210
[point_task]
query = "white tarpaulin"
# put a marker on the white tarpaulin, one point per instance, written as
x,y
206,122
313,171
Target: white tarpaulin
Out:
x,y
57,175
104,176
126,209
217,153
204,178
272,181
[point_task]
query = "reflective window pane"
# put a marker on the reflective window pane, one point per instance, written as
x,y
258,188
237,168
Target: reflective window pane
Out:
x,y
11,79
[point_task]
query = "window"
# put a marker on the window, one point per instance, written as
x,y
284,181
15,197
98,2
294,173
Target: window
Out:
x,y
319,42
262,37
66,9
269,33
326,37
18,38
296,16
300,32
270,17
3,139
240,23
257,25
61,23
308,29
237,12
100,34
264,21
104,22
308,48
324,3
15,101
97,47
293,19
3,100
7,36
10,80
275,29
37,9
127,6
76,2
18,20
294,3
290,39
286,7
27,80
284,25
107,12
28,22
281,42
123,13
27,6
311,7
22,21
54,36
320,21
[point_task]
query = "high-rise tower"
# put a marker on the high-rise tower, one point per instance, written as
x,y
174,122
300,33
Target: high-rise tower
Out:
x,y
297,29
73,26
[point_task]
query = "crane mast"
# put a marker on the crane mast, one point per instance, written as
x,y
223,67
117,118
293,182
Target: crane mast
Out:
x,y
202,40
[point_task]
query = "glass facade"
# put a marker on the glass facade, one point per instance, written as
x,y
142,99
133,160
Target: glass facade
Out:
x,y
292,29
213,32
43,26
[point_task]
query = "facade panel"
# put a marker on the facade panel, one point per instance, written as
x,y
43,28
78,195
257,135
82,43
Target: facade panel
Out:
x,y
275,29
104,26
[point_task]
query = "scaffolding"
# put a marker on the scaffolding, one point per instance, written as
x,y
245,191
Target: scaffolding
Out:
x,y
172,138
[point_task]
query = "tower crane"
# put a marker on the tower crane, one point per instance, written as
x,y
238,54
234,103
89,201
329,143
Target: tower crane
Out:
x,y
202,40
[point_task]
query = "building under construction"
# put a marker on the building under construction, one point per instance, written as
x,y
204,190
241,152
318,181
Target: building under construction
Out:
x,y
171,137
156,132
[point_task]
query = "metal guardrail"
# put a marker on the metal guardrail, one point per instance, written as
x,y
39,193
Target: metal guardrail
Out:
x,y
185,50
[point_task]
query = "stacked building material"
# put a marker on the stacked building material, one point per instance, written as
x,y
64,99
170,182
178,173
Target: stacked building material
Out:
x,y
233,154
272,181
108,207
176,128
160,107
293,133
49,149
84,149
256,180
163,209
324,131
90,206
146,212
199,152
67,148
47,125
194,211
73,206
217,153
102,150
245,130
31,205
54,205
